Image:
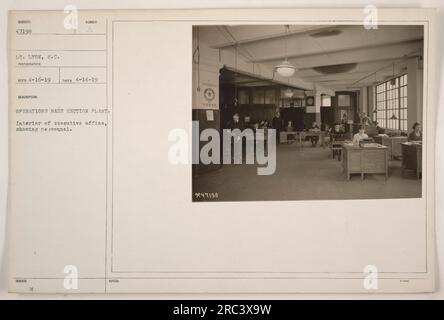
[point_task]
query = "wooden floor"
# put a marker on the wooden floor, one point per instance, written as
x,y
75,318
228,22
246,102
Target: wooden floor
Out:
x,y
305,174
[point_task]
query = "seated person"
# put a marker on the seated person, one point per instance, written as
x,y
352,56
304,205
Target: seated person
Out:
x,y
416,134
247,122
264,124
327,128
340,128
289,127
360,135
378,128
314,139
337,133
235,123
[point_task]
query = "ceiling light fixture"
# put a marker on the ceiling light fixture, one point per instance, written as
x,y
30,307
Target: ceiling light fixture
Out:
x,y
196,58
285,69
236,101
288,93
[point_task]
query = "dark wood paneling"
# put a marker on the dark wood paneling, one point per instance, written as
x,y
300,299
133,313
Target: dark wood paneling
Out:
x,y
327,116
351,110
295,115
257,113
309,119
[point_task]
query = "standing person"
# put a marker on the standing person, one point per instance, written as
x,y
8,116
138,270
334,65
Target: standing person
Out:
x,y
344,123
326,135
344,119
277,124
416,134
237,141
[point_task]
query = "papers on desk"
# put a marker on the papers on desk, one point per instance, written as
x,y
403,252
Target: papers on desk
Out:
x,y
413,143
372,145
364,145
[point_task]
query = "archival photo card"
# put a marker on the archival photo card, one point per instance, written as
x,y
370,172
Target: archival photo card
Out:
x,y
308,112
222,151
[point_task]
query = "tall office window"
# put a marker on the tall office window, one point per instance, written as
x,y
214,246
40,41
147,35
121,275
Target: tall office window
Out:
x,y
403,102
381,109
391,103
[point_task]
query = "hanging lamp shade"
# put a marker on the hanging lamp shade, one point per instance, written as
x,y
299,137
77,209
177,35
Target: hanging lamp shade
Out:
x,y
285,69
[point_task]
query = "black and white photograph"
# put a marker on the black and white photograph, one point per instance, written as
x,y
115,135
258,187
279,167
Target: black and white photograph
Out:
x,y
241,153
307,112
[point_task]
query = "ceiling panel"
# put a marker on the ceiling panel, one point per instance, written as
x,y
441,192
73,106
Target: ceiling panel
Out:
x,y
309,46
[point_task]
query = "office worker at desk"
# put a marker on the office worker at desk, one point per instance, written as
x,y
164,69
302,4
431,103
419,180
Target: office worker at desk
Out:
x,y
235,123
416,134
314,139
360,135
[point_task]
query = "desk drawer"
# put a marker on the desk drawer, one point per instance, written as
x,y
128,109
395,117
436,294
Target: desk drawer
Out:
x,y
374,161
354,161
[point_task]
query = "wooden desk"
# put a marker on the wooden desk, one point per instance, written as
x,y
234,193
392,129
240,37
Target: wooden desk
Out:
x,y
393,143
412,157
284,136
305,134
364,160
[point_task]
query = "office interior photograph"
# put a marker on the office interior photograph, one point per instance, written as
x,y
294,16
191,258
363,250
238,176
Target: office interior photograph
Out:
x,y
345,101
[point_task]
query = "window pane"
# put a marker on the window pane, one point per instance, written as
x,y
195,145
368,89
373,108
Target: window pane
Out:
x,y
391,101
344,100
326,101
258,96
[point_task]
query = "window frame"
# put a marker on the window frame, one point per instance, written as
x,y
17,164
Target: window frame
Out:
x,y
392,99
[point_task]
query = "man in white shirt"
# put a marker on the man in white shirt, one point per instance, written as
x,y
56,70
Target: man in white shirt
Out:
x,y
360,135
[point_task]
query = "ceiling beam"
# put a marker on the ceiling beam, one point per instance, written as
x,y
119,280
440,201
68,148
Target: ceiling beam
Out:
x,y
335,51
324,76
290,33
262,78
385,67
392,59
